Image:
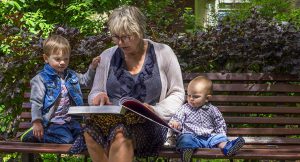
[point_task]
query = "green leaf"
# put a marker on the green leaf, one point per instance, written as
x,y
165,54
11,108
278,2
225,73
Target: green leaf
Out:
x,y
14,4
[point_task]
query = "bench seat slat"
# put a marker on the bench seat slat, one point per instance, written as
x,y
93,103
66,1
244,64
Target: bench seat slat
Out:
x,y
34,147
272,141
246,152
259,154
263,131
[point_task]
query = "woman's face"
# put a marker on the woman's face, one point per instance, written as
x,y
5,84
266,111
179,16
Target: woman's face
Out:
x,y
128,43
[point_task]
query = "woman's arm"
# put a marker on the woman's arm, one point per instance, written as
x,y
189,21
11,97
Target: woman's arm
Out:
x,y
99,84
172,96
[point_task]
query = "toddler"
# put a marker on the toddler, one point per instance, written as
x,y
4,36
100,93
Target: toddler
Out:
x,y
53,90
201,123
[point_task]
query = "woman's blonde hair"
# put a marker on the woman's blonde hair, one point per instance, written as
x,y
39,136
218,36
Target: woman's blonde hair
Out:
x,y
127,20
56,43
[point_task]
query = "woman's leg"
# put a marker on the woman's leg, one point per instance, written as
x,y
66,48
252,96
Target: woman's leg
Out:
x,y
96,151
121,149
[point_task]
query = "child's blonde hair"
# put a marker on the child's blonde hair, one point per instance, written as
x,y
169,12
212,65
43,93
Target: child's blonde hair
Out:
x,y
56,43
207,82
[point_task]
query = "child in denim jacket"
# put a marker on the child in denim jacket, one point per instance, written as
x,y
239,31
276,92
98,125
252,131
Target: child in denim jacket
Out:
x,y
202,124
53,90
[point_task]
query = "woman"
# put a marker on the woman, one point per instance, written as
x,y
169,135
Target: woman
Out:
x,y
138,68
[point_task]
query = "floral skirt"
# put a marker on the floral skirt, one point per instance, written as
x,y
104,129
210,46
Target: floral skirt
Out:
x,y
148,137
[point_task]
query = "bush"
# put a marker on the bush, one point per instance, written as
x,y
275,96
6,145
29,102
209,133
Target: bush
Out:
x,y
253,45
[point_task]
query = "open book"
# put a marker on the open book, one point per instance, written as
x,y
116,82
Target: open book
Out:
x,y
125,104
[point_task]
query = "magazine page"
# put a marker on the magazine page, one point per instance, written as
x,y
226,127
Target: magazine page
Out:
x,y
105,109
137,107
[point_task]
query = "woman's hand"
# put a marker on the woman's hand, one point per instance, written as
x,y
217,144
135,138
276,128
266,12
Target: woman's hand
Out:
x,y
101,99
37,128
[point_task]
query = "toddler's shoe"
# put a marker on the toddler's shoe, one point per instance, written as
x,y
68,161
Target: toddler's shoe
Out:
x,y
233,146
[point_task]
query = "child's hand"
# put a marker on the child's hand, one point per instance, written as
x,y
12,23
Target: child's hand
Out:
x,y
95,62
38,130
175,124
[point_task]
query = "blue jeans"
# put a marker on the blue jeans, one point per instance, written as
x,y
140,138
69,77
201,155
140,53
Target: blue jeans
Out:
x,y
56,133
192,141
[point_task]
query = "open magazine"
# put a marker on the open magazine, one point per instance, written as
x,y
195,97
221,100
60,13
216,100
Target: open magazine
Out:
x,y
125,104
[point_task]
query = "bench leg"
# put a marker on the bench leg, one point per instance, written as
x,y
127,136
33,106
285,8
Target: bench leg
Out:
x,y
58,157
27,157
85,158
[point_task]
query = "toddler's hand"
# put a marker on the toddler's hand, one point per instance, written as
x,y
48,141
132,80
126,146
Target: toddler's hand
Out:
x,y
175,124
95,62
38,130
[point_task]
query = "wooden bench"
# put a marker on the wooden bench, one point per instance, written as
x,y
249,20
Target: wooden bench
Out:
x,y
263,108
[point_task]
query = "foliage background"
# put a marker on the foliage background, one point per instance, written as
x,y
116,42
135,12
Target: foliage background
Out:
x,y
251,39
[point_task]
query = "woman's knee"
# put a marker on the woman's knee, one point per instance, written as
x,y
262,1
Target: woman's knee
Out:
x,y
120,139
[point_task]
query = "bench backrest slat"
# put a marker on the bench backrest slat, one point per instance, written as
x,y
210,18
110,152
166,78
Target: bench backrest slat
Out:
x,y
262,99
255,88
260,109
241,76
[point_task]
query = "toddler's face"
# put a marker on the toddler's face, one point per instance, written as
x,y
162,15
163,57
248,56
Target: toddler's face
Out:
x,y
197,95
58,60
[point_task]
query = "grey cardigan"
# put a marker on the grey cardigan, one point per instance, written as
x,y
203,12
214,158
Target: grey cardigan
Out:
x,y
172,93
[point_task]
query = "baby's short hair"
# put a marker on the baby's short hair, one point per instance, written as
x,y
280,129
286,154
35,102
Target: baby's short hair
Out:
x,y
204,80
56,43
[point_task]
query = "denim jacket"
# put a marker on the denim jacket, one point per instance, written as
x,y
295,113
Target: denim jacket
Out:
x,y
46,88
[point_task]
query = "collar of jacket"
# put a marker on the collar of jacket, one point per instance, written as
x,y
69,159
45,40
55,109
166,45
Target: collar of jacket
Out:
x,y
51,71
205,106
